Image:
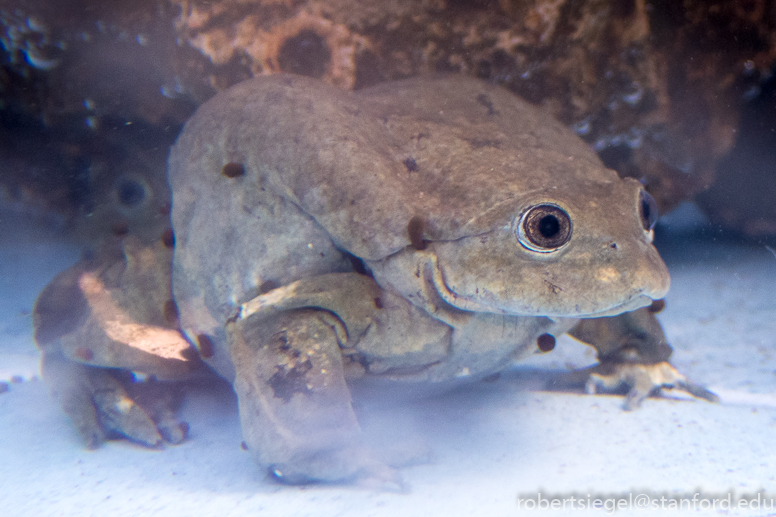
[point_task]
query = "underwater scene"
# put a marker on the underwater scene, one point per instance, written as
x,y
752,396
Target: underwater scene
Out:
x,y
364,257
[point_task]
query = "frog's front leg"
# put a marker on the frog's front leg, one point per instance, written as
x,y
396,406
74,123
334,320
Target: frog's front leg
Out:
x,y
633,354
295,406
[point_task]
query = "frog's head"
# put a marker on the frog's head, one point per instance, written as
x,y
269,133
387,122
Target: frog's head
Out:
x,y
578,250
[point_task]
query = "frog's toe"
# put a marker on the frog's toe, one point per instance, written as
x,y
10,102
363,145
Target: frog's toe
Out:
x,y
641,381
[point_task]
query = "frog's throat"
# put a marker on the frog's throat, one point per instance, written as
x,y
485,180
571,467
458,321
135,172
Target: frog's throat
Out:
x,y
435,277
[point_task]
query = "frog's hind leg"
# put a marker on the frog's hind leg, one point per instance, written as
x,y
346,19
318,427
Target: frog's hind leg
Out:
x,y
633,355
295,406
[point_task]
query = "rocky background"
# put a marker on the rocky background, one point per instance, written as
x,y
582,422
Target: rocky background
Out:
x,y
677,93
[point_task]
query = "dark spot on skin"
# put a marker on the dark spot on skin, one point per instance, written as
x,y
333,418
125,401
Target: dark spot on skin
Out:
x,y
4,387
84,354
119,229
493,377
485,101
205,346
170,312
613,245
411,164
244,446
357,264
268,286
657,306
190,354
168,238
287,381
378,303
281,341
415,231
130,192
304,54
165,209
17,379
545,342
233,170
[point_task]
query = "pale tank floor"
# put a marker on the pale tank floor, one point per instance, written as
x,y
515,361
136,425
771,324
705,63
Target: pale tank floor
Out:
x,y
491,443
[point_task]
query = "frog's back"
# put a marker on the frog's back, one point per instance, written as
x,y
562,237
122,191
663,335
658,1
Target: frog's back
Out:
x,y
363,164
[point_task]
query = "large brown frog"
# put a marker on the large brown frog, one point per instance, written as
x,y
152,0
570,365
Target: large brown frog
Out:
x,y
423,231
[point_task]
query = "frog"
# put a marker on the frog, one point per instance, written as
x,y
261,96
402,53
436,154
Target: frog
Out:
x,y
426,232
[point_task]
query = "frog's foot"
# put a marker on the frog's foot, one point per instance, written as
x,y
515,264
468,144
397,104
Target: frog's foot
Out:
x,y
634,355
295,407
100,407
641,381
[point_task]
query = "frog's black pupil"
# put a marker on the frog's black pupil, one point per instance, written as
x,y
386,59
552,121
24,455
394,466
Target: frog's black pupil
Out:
x,y
549,226
131,193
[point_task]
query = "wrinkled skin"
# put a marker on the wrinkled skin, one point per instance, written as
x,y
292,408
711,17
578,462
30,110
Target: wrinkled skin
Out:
x,y
424,231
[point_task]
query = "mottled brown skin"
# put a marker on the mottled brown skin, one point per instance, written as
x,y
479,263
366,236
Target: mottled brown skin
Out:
x,y
308,252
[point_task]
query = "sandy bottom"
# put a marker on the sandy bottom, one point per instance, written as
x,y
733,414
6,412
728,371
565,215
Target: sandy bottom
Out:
x,y
491,444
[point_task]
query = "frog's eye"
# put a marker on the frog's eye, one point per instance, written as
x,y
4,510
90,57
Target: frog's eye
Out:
x,y
544,228
647,210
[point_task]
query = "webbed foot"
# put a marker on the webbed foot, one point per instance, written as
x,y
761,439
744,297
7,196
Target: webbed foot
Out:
x,y
641,381
633,354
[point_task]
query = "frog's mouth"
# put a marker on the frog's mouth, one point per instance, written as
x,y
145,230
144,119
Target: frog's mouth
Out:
x,y
436,278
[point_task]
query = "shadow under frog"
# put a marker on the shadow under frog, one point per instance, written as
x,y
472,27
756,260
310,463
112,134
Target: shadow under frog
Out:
x,y
423,231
